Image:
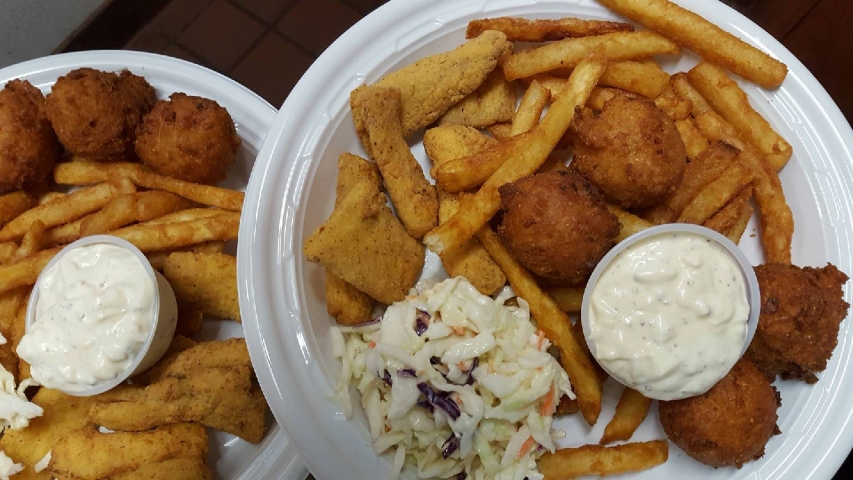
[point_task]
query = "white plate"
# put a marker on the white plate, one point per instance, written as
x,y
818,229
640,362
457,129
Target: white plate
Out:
x,y
292,191
230,457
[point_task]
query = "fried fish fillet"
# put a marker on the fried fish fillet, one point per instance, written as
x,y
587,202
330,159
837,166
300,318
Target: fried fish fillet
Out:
x,y
471,261
205,281
63,414
492,102
89,454
433,84
210,383
364,244
174,469
345,303
414,197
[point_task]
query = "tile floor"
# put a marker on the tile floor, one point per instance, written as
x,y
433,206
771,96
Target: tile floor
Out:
x,y
264,44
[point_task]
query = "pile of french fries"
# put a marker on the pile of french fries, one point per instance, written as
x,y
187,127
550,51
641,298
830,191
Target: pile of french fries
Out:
x,y
734,155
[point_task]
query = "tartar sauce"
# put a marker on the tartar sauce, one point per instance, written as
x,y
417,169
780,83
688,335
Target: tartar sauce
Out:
x,y
668,315
94,313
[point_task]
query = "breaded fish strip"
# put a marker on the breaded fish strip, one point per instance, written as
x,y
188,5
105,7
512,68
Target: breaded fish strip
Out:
x,y
175,469
208,383
471,261
345,303
413,196
88,454
364,244
492,102
433,84
62,414
205,281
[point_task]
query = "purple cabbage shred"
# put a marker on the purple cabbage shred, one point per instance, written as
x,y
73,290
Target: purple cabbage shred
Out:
x,y
461,475
450,446
421,322
440,400
386,377
406,372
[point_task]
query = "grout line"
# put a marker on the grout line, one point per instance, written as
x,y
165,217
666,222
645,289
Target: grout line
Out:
x,y
797,24
272,28
248,51
298,45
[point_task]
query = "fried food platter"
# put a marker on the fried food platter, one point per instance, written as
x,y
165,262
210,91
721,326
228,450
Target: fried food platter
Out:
x,y
230,457
289,195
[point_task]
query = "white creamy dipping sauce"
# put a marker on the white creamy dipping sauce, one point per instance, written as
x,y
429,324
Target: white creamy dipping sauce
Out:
x,y
668,316
94,313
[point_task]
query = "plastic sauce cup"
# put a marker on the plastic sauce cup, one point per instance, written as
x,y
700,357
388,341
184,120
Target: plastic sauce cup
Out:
x,y
753,297
165,313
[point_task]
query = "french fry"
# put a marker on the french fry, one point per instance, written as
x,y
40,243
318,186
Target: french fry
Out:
x,y
471,261
186,216
24,273
716,194
599,96
686,91
724,220
491,102
704,169
694,142
569,463
523,30
631,223
149,238
14,204
731,102
646,79
157,259
10,303
49,196
554,322
82,172
414,198
777,221
7,251
739,227
674,106
567,298
500,131
65,233
630,413
528,152
32,242
132,208
530,108
569,53
703,37
345,303
64,209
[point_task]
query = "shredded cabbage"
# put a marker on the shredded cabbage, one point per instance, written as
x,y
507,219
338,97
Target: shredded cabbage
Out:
x,y
472,395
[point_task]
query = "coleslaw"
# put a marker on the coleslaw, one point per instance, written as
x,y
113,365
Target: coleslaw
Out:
x,y
455,383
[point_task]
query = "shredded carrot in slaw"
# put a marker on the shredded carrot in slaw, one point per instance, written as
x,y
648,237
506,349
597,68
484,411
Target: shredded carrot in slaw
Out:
x,y
525,447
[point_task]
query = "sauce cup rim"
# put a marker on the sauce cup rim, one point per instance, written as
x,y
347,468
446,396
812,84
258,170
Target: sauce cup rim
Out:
x,y
753,297
140,355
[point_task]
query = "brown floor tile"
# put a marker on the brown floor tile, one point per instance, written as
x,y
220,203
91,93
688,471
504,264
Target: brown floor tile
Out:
x,y
221,35
315,24
177,51
266,10
272,68
365,6
148,40
177,15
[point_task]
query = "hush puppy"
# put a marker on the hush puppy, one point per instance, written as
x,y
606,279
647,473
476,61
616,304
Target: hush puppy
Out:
x,y
729,424
631,151
801,310
189,138
557,225
28,146
95,113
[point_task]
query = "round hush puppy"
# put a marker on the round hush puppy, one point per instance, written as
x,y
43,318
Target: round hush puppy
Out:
x,y
729,424
557,225
631,151
189,138
801,310
28,146
95,113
